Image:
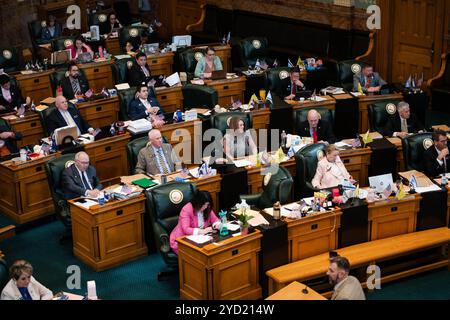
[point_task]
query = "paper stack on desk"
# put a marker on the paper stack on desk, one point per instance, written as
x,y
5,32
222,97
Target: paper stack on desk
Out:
x,y
200,238
139,126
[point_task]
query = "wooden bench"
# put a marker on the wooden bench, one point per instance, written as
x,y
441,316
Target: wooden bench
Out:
x,y
371,253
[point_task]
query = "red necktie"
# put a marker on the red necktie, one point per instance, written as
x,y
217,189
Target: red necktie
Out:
x,y
368,82
294,89
314,135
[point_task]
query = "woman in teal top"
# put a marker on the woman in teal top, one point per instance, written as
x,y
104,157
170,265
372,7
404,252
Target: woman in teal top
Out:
x,y
206,65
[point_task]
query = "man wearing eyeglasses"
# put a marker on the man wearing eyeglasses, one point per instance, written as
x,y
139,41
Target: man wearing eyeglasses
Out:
x,y
80,179
436,158
206,65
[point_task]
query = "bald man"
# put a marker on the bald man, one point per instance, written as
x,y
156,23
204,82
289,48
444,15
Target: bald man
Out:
x,y
66,114
156,157
320,130
80,179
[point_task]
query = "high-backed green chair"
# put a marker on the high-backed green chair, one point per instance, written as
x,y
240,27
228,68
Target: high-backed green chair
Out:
x,y
306,161
276,79
125,97
99,17
10,59
62,43
4,273
220,120
44,115
164,203
251,49
188,60
54,168
278,188
35,31
59,74
301,115
119,69
130,34
133,148
414,147
379,114
346,70
195,96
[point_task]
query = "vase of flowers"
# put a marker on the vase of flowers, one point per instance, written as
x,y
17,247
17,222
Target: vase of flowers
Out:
x,y
243,222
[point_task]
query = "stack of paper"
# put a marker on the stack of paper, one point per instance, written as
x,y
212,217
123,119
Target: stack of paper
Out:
x,y
139,126
200,238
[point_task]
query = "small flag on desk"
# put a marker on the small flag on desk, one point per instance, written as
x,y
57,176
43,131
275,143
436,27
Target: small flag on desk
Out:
x,y
257,64
269,97
367,138
360,89
279,155
275,63
401,193
290,65
413,82
228,37
357,191
408,82
387,192
413,182
300,63
253,99
420,82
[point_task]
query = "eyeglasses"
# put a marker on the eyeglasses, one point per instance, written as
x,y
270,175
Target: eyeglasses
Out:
x,y
443,141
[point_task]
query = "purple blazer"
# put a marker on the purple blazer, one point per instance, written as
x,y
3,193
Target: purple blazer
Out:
x,y
187,222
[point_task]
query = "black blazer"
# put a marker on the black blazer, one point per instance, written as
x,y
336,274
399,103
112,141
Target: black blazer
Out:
x,y
67,86
16,99
286,88
394,125
72,185
136,109
55,120
324,131
105,27
432,167
9,143
136,76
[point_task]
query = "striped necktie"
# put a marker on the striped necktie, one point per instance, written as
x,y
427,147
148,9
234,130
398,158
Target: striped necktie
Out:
x,y
75,86
162,161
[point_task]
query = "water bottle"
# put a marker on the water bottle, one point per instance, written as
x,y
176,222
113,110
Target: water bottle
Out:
x,y
223,225
277,211
54,146
179,116
101,198
283,139
112,130
444,180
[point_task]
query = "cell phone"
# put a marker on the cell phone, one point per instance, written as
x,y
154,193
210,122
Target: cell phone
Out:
x,y
81,200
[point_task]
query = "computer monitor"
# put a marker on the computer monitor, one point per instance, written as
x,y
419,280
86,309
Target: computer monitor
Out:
x,y
180,41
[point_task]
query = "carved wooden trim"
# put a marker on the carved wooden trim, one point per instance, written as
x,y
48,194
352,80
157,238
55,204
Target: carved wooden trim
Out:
x,y
441,71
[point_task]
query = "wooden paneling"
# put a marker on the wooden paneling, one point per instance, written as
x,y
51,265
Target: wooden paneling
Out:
x,y
100,113
228,89
170,99
36,86
31,128
98,74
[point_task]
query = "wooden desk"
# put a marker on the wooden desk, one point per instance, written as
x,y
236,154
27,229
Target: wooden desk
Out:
x,y
366,100
109,157
261,119
109,235
227,89
36,85
100,113
30,126
170,99
161,63
400,160
224,272
294,291
393,217
24,189
329,103
357,163
98,74
113,46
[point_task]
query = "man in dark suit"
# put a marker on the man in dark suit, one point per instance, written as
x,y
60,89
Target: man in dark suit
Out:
x,y
316,128
80,179
110,24
75,83
368,80
144,106
292,87
437,158
51,30
65,115
139,72
10,96
7,138
403,123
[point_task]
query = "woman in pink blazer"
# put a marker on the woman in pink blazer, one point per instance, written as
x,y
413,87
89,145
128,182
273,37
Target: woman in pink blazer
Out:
x,y
196,217
330,170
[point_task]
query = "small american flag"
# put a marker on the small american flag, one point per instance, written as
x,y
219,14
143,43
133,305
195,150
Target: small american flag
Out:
x,y
387,192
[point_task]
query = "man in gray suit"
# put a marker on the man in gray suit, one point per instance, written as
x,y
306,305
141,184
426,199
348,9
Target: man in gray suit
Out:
x,y
156,157
345,287
370,81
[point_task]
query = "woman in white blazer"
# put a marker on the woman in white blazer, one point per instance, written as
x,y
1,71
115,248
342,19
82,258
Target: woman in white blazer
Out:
x,y
330,170
23,286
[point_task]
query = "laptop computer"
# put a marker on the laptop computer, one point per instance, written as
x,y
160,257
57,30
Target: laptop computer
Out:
x,y
84,57
61,134
218,74
381,182
303,94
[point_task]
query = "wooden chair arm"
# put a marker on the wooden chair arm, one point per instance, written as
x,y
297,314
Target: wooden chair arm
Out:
x,y
198,26
370,48
441,71
7,232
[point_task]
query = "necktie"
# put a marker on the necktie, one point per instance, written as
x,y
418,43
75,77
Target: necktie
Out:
x,y
294,88
85,182
75,86
368,82
314,135
404,125
144,69
162,161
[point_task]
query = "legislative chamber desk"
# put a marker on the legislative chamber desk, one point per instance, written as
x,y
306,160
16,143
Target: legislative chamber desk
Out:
x,y
296,291
328,103
397,142
161,63
220,271
100,113
29,125
392,217
98,74
109,235
170,99
35,85
228,89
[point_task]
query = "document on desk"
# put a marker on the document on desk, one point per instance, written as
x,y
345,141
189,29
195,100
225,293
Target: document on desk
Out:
x,y
257,219
242,163
286,211
430,188
86,204
199,238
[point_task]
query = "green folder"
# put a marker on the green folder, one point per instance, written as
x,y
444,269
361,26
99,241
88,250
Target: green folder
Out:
x,y
144,183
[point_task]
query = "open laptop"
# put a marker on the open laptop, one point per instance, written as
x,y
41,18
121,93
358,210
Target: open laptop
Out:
x,y
84,57
381,182
303,94
61,134
218,74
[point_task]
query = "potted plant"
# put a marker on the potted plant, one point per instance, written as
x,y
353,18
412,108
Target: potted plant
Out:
x,y
243,221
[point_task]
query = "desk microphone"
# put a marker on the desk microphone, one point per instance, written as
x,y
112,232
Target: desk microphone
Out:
x,y
305,290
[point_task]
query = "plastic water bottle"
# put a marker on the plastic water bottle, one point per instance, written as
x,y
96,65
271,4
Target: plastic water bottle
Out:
x,y
283,139
444,180
223,224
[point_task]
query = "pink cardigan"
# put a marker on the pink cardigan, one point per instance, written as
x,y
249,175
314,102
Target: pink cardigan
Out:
x,y
187,222
329,175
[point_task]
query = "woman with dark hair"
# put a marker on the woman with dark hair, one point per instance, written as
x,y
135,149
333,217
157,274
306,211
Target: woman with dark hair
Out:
x,y
196,217
207,64
79,47
238,141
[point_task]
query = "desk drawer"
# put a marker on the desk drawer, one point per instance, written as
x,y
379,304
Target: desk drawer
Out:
x,y
32,83
159,61
35,170
100,108
91,71
392,209
235,251
313,226
121,212
228,87
110,147
351,160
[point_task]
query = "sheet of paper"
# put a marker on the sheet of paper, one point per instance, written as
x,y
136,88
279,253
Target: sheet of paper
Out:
x,y
357,94
285,211
232,226
173,79
122,56
194,172
342,144
428,189
122,86
242,163
317,99
200,238
87,204
257,219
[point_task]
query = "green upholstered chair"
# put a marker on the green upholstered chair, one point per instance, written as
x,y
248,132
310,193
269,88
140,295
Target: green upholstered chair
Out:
x,y
278,188
220,121
301,115
44,115
346,70
99,17
414,147
62,43
130,34
379,114
188,59
119,70
54,168
59,74
195,96
253,48
133,148
163,213
306,161
276,79
125,97
4,273
10,59
35,31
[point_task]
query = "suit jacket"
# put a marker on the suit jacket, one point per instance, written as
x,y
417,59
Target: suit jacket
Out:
x,y
359,78
16,99
286,88
147,163
37,291
329,175
324,131
45,33
137,110
348,289
106,28
72,185
187,223
55,120
9,143
136,76
67,86
432,167
394,125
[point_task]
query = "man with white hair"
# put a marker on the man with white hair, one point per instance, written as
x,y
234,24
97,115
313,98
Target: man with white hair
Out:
x,y
80,179
156,157
403,123
316,128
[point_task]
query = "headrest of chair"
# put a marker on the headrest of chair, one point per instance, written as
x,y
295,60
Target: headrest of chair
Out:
x,y
69,163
